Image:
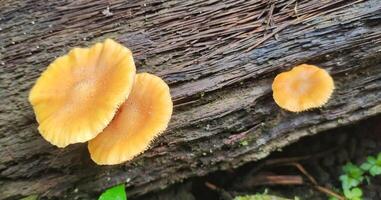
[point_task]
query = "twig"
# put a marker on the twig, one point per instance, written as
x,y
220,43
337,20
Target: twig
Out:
x,y
270,179
211,186
314,182
293,161
223,194
305,173
329,192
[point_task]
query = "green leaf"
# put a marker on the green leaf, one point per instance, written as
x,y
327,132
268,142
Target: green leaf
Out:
x,y
375,170
114,193
333,198
344,178
366,166
356,192
353,182
378,162
345,182
379,156
353,194
244,143
353,171
347,193
347,168
349,182
372,160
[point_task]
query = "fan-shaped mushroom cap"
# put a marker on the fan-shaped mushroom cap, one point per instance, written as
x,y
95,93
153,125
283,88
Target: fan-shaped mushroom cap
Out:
x,y
144,115
78,94
302,88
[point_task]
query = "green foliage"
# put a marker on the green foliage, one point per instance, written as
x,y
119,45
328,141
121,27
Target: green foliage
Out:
x,y
263,196
354,176
373,165
244,143
31,197
114,193
353,194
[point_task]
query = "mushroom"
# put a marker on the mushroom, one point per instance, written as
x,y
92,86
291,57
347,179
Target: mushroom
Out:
x,y
302,88
77,96
144,116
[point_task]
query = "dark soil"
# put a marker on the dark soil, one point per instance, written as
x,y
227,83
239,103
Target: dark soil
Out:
x,y
322,156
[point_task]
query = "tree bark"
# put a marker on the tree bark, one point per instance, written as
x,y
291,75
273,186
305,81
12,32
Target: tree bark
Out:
x,y
219,58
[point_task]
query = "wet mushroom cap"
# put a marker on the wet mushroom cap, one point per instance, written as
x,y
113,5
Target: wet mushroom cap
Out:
x,y
302,88
79,93
144,115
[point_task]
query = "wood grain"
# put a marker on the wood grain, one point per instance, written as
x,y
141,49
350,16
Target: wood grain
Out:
x,y
219,58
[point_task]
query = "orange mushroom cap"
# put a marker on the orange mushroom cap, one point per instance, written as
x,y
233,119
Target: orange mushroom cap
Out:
x,y
144,115
79,93
302,88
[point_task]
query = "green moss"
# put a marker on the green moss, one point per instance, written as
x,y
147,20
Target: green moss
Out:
x,y
244,143
31,197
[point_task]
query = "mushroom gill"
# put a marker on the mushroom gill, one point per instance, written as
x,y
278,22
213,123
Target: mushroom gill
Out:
x,y
79,93
144,115
302,88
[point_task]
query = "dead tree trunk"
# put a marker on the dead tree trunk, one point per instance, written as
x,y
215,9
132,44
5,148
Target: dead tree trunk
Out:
x,y
219,58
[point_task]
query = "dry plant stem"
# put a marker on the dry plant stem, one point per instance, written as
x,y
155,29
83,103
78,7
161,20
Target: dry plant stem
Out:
x,y
211,186
279,180
314,182
305,173
224,195
328,192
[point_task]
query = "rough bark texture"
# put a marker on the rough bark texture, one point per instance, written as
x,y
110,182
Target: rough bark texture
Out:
x,y
219,58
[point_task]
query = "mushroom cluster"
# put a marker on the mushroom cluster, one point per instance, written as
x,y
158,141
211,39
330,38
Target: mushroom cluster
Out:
x,y
94,94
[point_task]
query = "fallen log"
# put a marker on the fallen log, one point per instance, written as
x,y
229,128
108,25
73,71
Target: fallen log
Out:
x,y
219,58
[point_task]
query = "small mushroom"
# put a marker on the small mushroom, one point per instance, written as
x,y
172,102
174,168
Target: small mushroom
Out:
x,y
302,88
144,115
79,93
